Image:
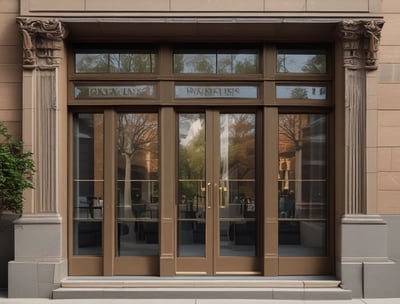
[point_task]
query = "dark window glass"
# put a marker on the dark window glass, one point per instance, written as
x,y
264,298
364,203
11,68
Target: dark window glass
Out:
x,y
88,183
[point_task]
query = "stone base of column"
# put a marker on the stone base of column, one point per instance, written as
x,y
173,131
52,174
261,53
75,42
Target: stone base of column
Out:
x,y
364,266
39,265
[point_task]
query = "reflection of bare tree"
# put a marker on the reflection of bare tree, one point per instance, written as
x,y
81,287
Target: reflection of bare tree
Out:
x,y
136,133
129,63
216,63
194,63
116,62
315,64
237,63
301,62
291,126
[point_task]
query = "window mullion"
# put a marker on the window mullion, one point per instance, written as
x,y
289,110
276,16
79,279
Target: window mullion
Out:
x,y
109,192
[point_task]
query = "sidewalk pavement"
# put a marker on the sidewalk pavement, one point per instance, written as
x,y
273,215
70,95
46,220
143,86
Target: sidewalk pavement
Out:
x,y
195,301
5,300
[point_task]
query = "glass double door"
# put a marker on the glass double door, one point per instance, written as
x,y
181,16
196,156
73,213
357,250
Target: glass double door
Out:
x,y
217,209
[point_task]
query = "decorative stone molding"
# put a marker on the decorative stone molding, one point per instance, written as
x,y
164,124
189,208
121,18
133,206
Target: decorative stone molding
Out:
x,y
360,39
42,41
360,42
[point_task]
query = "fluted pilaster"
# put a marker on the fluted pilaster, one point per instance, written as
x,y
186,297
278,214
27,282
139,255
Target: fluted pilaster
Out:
x,y
360,41
42,53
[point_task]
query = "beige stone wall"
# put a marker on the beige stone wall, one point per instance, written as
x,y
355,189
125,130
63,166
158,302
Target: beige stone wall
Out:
x,y
10,67
386,115
102,7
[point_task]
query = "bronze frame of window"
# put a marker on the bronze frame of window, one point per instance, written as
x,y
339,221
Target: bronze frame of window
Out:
x,y
270,263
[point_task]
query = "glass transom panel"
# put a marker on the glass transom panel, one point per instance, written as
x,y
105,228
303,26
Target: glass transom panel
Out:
x,y
301,61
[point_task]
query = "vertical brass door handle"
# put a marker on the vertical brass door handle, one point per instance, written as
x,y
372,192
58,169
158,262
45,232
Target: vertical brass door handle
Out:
x,y
208,201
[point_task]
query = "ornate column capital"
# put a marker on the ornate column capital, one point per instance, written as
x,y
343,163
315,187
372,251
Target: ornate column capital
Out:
x,y
372,32
42,41
360,42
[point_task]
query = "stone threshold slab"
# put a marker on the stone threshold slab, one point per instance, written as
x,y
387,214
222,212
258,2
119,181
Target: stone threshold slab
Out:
x,y
185,282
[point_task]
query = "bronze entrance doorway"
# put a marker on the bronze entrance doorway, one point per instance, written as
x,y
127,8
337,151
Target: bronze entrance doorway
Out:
x,y
216,214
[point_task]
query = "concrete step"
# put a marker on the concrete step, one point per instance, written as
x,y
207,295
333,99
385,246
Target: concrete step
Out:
x,y
200,289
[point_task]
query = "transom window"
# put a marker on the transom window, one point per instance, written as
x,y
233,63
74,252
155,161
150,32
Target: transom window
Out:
x,y
303,61
115,61
216,61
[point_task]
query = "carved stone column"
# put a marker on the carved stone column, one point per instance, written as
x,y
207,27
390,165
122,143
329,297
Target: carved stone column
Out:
x,y
363,237
42,47
360,45
40,256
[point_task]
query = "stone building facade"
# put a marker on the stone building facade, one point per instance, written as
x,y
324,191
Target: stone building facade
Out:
x,y
268,142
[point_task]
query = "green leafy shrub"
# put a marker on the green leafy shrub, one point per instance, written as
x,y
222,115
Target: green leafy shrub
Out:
x,y
16,171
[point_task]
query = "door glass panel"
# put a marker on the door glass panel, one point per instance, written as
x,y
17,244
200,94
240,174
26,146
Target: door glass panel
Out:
x,y
237,199
302,184
137,207
88,184
191,185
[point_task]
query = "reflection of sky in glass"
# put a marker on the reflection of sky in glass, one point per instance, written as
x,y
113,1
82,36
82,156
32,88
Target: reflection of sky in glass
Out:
x,y
225,120
301,92
189,126
297,63
90,63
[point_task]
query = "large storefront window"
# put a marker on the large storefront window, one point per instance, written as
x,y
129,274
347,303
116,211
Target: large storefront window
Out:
x,y
88,184
201,160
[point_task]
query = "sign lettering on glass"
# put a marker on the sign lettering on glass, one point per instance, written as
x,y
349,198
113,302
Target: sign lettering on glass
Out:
x,y
136,91
182,91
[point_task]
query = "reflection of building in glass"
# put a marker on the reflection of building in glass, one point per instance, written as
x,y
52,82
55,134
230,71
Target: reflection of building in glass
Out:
x,y
302,165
